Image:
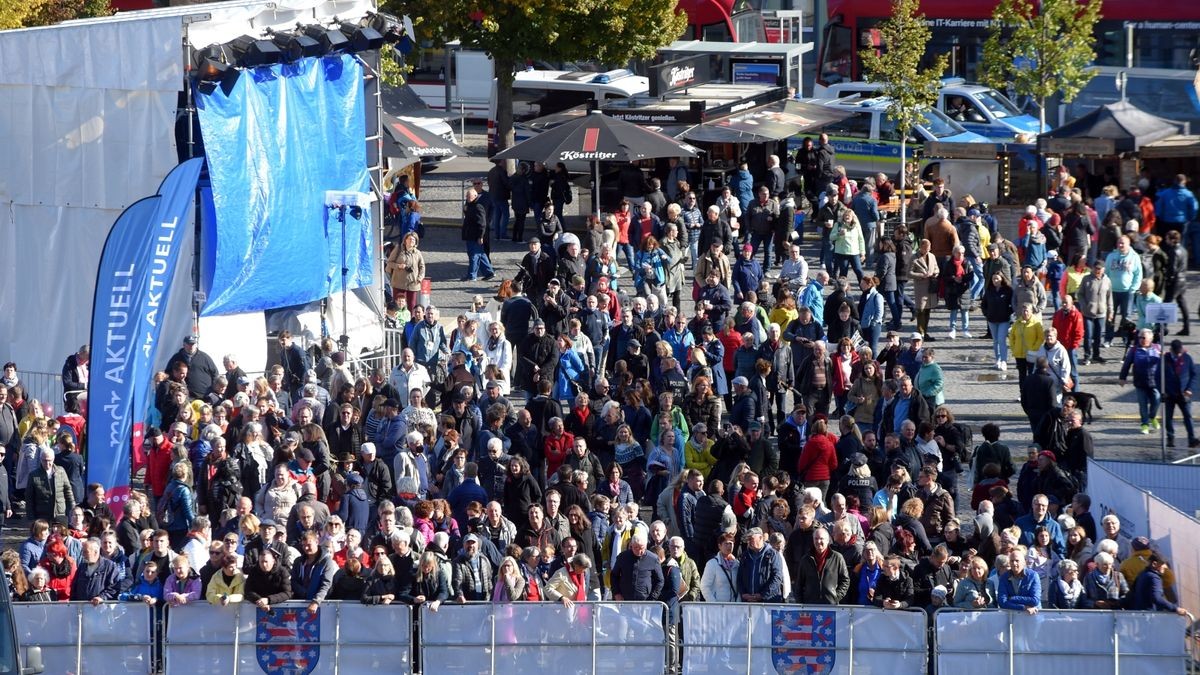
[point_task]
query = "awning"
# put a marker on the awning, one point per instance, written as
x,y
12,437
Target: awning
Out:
x,y
772,122
1109,129
410,141
1169,148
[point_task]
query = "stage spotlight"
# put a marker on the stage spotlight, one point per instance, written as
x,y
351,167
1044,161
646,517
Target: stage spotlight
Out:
x,y
386,25
252,52
296,46
330,40
213,68
361,38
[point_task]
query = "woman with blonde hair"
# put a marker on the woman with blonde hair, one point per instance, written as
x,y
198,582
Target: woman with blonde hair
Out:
x,y
406,268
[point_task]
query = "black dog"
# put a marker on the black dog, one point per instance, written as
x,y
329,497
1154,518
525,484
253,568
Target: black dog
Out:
x,y
1084,402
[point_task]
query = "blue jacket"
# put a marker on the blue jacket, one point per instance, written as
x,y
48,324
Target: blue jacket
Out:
x,y
1175,204
1027,593
714,352
813,298
761,575
103,582
181,509
312,582
1145,362
1147,593
680,342
1180,374
747,276
1057,541
866,208
871,309
743,188
355,509
143,588
570,368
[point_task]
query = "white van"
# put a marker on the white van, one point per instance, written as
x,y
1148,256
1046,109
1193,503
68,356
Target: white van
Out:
x,y
979,109
537,93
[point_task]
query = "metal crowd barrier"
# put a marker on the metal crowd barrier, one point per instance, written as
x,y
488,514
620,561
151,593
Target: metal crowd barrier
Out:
x,y
75,637
341,637
762,638
1002,642
544,637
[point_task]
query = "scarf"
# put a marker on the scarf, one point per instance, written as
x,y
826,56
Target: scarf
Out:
x,y
580,581
493,342
821,558
60,570
958,267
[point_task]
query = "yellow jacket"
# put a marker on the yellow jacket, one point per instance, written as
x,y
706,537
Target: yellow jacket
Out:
x,y
700,459
1137,563
1025,337
217,587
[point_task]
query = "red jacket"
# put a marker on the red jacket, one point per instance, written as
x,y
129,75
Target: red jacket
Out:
x,y
841,383
61,585
1069,327
556,451
818,460
158,468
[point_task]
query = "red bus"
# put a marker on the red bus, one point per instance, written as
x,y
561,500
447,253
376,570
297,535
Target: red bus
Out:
x,y
1164,34
710,20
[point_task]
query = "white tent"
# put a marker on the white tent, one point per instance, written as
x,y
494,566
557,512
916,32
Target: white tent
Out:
x,y
87,127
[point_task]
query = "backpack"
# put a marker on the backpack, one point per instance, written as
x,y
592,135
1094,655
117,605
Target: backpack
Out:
x,y
968,441
162,509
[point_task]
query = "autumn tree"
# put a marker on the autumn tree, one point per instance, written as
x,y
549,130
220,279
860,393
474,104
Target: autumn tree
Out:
x,y
29,13
511,31
912,90
1041,47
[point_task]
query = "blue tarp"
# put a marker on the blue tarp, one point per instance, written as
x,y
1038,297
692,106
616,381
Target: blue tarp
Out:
x,y
283,136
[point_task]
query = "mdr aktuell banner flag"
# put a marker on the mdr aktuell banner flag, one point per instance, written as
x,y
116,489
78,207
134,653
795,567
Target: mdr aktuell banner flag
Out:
x,y
136,269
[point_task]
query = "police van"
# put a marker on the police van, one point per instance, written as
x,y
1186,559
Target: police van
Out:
x,y
979,109
867,141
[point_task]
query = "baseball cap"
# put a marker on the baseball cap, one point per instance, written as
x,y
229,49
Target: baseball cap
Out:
x,y
1131,226
739,380
471,537
292,437
1048,455
492,384
367,448
748,247
539,324
756,426
191,340
634,344
305,454
916,337
973,212
1140,544
939,591
391,403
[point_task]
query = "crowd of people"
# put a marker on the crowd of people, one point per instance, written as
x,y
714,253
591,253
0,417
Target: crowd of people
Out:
x,y
591,433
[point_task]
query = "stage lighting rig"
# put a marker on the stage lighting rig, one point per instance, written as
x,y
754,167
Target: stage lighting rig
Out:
x,y
252,52
295,45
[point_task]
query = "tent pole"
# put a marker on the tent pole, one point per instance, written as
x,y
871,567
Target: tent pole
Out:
x,y
596,187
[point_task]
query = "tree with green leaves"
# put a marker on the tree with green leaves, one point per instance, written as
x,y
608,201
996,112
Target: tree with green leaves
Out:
x,y
912,90
511,31
1041,47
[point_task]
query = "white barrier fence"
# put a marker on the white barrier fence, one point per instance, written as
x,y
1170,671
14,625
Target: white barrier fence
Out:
x,y
341,637
617,638
997,642
762,638
76,637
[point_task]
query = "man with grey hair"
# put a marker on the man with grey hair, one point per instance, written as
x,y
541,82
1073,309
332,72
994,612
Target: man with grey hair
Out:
x,y
49,492
97,578
636,574
411,462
